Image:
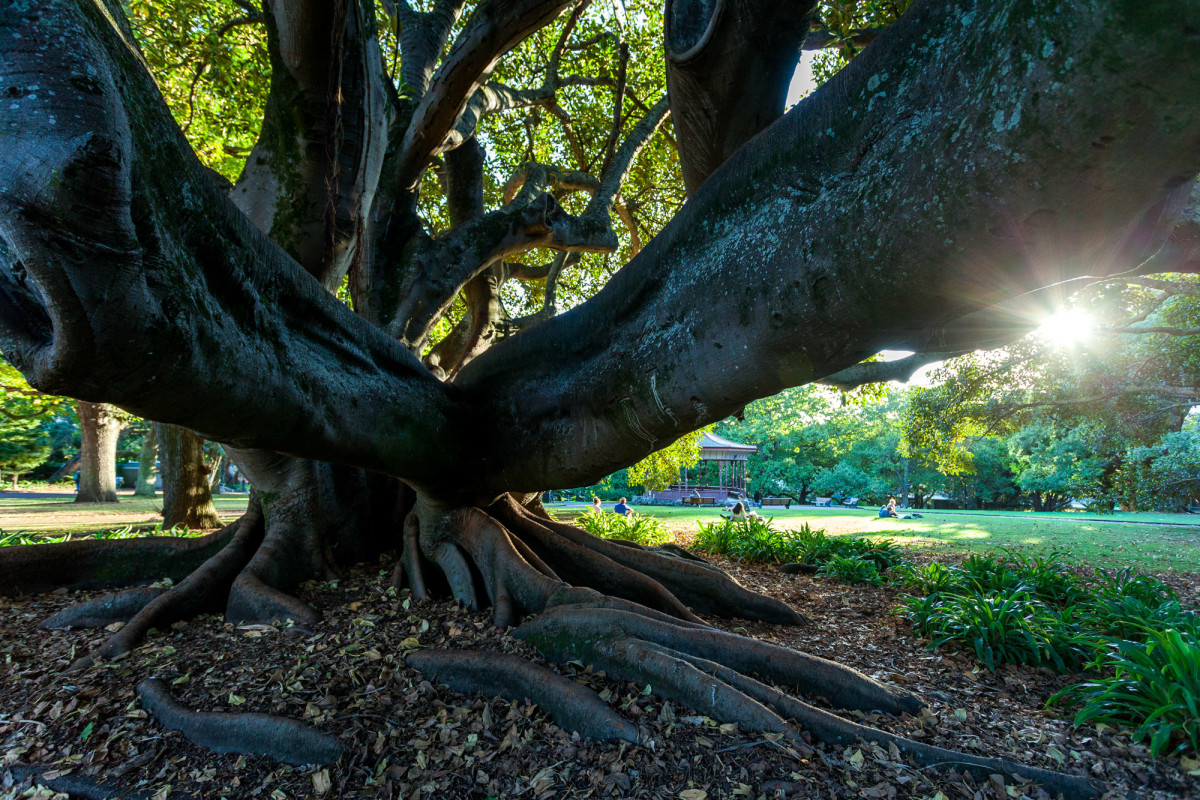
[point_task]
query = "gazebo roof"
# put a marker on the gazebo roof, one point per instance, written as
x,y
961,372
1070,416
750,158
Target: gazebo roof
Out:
x,y
714,448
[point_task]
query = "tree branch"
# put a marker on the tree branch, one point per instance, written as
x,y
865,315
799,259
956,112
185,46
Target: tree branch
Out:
x,y
784,285
729,65
145,287
422,39
494,29
533,218
900,369
314,170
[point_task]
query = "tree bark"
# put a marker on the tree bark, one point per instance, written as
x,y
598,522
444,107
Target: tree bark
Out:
x,y
147,475
99,428
187,499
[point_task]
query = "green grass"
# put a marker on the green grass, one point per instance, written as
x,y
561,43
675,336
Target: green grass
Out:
x,y
1109,540
52,517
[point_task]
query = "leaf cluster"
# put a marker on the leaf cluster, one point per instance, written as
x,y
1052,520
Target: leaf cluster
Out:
x,y
1126,625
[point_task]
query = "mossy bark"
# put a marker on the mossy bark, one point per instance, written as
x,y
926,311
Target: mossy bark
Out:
x,y
187,497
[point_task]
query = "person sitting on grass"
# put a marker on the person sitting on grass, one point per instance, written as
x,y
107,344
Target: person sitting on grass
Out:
x,y
889,510
739,513
596,507
622,509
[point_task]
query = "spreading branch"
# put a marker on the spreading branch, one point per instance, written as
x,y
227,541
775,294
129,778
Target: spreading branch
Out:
x,y
494,29
531,218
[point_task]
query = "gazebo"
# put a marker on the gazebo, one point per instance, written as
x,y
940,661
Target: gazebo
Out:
x,y
730,457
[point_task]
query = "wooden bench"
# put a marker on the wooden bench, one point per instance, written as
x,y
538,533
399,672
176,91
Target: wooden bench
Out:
x,y
777,501
823,501
850,502
699,501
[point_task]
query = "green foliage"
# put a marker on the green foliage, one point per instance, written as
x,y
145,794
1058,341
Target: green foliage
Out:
x,y
1163,475
851,570
757,541
1127,625
28,422
1053,462
661,468
1003,626
126,532
1131,583
209,58
845,20
754,539
1154,687
632,527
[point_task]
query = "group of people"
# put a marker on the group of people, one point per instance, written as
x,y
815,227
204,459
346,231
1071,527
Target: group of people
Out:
x,y
622,507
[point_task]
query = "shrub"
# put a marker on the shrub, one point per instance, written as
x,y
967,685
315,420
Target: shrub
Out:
x,y
1129,582
716,538
1009,626
1154,685
632,527
1001,627
1047,576
883,553
933,578
851,570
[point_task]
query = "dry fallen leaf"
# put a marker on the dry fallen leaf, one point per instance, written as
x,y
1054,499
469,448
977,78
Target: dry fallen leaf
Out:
x,y
321,782
693,794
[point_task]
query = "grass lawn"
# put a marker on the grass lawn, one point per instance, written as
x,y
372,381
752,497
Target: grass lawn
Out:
x,y
61,514
1113,540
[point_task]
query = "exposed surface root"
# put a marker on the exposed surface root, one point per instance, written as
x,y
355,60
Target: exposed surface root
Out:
x,y
709,670
410,567
203,590
105,563
261,592
578,565
253,601
252,734
103,611
583,559
576,629
833,729
573,707
76,786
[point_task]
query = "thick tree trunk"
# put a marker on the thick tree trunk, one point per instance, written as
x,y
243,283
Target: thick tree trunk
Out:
x,y
99,428
187,499
147,465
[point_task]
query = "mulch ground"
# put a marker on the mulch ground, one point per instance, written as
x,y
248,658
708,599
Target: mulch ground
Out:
x,y
407,738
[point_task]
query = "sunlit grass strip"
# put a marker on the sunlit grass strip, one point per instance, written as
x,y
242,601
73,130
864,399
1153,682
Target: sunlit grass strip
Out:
x,y
126,532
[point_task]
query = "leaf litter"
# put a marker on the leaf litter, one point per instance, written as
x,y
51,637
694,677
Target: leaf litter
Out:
x,y
407,738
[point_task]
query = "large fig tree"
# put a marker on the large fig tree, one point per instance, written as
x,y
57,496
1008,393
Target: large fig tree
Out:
x,y
975,152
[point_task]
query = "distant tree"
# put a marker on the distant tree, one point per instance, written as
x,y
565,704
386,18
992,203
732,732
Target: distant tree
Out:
x,y
187,494
1055,464
147,476
798,432
986,478
24,445
100,427
27,419
1164,475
